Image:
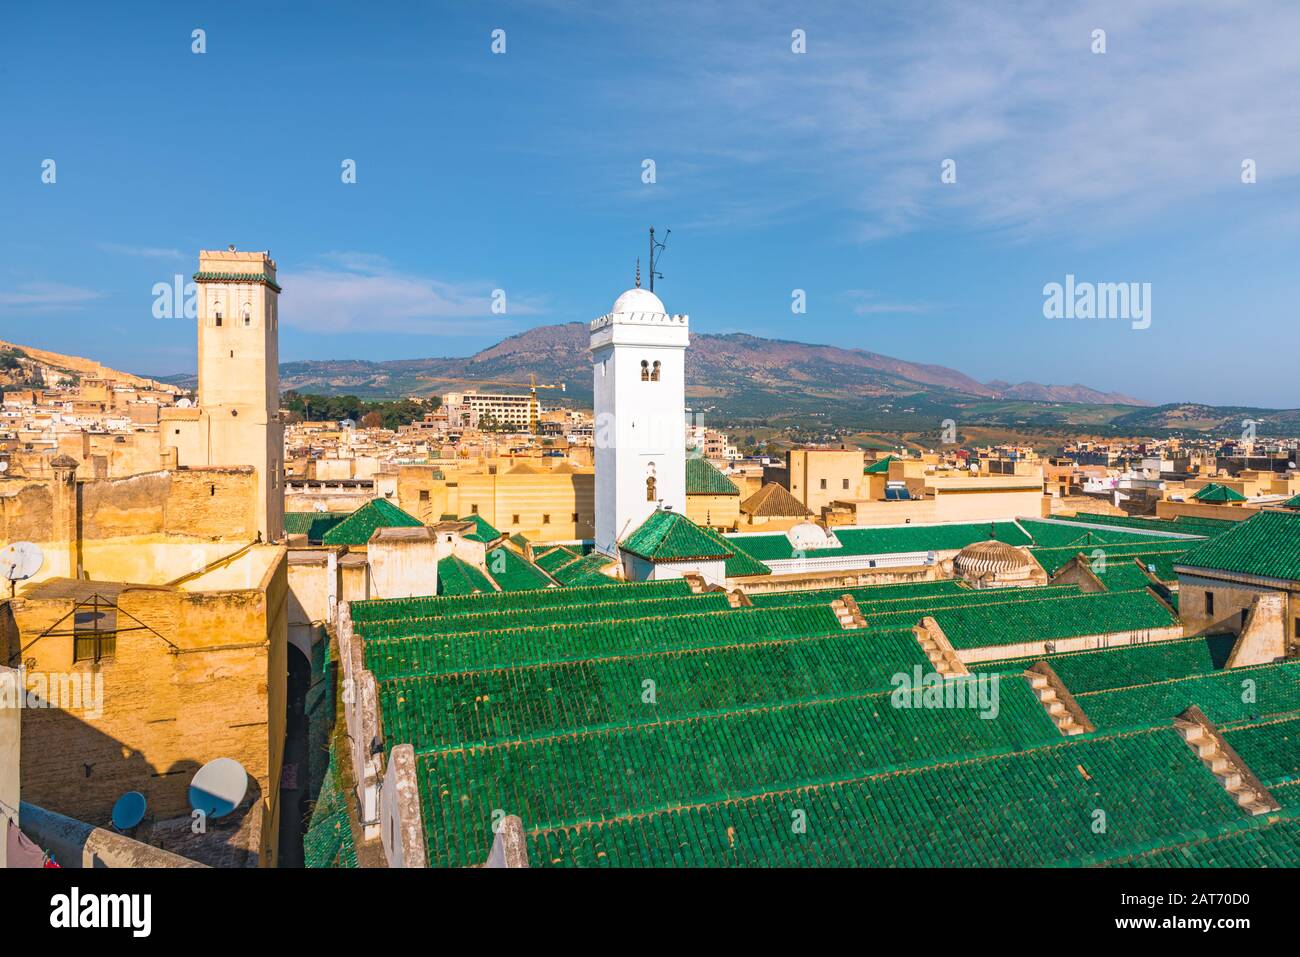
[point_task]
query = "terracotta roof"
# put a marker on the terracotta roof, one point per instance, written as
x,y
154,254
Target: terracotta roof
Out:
x,y
773,500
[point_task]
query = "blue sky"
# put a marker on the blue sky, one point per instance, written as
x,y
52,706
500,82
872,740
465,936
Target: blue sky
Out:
x,y
776,171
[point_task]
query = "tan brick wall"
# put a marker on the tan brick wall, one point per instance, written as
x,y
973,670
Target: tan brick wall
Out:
x,y
166,711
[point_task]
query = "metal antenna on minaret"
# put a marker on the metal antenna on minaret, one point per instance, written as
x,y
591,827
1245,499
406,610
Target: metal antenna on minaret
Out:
x,y
638,272
657,246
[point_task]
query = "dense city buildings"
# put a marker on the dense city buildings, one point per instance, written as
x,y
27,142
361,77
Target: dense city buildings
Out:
x,y
396,633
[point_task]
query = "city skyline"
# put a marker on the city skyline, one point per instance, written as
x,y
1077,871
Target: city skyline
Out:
x,y
777,172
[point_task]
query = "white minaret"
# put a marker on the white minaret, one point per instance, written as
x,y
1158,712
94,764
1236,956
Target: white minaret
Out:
x,y
639,354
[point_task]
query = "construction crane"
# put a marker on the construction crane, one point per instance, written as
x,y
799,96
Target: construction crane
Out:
x,y
532,385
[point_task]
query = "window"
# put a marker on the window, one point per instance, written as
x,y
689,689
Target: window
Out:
x,y
424,495
248,315
546,519
823,485
650,489
95,631
645,371
514,519
1209,603
216,314
575,522
654,372
846,483
473,509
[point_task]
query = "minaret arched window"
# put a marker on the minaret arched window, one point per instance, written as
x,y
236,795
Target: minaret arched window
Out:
x,y
654,372
645,371
248,314
650,489
216,313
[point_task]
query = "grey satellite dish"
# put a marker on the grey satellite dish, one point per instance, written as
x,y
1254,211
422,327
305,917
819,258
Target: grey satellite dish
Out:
x,y
129,810
218,787
20,560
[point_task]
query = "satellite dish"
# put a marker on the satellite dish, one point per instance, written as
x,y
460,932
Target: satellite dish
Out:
x,y
20,560
129,810
4,466
218,787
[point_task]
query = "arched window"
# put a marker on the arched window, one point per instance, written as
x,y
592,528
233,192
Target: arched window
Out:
x,y
645,371
248,314
650,489
654,372
216,313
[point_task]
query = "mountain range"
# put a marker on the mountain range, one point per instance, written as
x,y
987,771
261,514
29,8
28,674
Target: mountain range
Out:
x,y
720,367
738,377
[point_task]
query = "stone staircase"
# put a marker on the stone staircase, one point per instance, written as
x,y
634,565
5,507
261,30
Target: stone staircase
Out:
x,y
935,644
1224,763
1066,721
738,599
847,611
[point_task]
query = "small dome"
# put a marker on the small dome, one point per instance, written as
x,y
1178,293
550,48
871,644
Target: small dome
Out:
x,y
994,560
638,300
806,536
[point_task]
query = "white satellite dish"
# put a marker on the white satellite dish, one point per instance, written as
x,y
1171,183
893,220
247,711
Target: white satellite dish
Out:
x,y
21,560
4,466
218,787
129,810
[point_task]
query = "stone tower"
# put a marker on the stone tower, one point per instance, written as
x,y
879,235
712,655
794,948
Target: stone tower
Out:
x,y
237,420
638,352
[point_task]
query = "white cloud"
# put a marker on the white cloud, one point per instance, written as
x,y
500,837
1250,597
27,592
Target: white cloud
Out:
x,y
1046,134
47,295
142,252
867,303
363,292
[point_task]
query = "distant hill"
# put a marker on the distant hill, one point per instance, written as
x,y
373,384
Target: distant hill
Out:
x,y
739,377
717,366
24,366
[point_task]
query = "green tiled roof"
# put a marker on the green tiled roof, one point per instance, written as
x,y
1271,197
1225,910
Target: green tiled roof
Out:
x,y
327,841
431,710
445,606
880,466
1128,665
879,541
672,537
1267,545
1292,502
483,531
312,524
584,571
513,572
1266,841
458,577
257,277
1275,691
1272,750
703,479
357,528
553,558
1214,492
1010,808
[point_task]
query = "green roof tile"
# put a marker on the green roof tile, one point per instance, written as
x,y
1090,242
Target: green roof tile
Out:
x,y
357,528
703,479
1214,492
672,537
1267,545
483,530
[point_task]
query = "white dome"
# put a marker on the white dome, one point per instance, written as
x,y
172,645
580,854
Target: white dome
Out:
x,y
638,300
